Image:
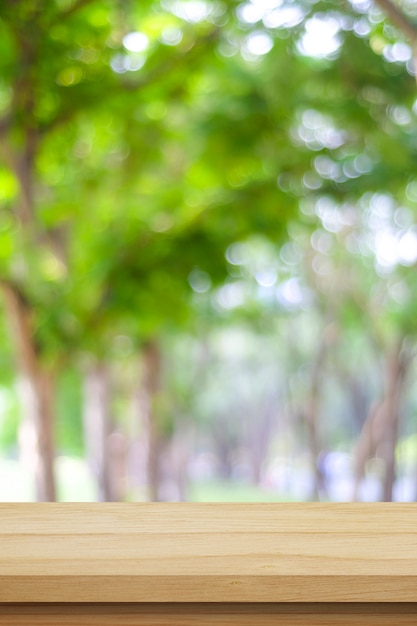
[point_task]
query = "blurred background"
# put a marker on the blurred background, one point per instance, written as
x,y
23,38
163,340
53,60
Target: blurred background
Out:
x,y
208,250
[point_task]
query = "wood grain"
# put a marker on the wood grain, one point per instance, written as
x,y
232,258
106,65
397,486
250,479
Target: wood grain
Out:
x,y
209,615
208,552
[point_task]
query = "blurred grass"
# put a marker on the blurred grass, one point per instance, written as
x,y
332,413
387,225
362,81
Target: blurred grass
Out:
x,y
76,485
218,491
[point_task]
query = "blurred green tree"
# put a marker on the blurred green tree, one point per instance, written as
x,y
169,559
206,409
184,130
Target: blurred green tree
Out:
x,y
139,142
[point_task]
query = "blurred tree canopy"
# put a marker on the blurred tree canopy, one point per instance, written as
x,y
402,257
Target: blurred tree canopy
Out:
x,y
145,147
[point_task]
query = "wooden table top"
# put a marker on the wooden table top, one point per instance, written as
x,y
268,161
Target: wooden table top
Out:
x,y
209,552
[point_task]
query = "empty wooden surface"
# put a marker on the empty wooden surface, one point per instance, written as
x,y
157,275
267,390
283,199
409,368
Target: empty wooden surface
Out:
x,y
208,553
209,615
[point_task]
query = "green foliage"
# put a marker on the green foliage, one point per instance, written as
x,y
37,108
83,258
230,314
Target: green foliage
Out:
x,y
131,167
139,177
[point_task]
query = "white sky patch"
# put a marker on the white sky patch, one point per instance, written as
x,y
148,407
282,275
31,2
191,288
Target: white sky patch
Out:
x,y
330,214
136,42
249,13
287,17
258,43
399,52
326,167
192,11
231,296
407,248
266,277
393,248
386,249
317,131
256,10
120,63
321,38
266,5
290,293
362,27
361,6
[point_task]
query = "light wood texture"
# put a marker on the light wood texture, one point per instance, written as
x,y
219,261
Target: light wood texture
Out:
x,y
209,615
208,552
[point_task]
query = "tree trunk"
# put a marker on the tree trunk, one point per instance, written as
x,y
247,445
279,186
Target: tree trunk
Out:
x,y
166,453
398,365
224,446
311,415
180,446
359,399
379,434
118,447
97,429
260,436
36,393
156,445
311,411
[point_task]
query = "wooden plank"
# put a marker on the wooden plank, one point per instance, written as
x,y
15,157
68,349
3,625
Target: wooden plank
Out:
x,y
208,552
209,615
